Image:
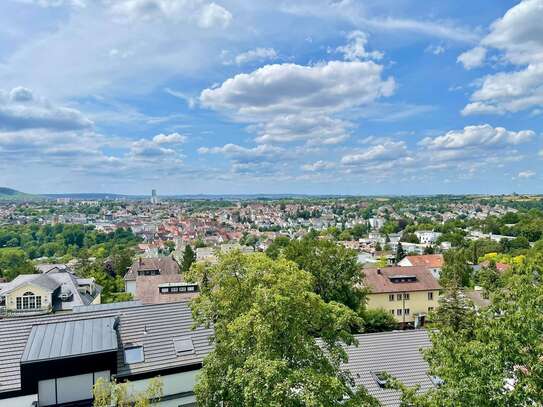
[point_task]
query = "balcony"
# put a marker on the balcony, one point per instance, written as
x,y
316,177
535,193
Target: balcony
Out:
x,y
8,313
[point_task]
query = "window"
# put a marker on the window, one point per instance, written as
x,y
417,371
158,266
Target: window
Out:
x,y
182,289
190,288
406,311
392,311
174,289
29,301
133,354
391,297
399,297
406,296
430,309
183,345
430,296
398,311
164,290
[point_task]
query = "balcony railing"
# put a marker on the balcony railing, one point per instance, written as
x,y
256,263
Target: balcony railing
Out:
x,y
5,312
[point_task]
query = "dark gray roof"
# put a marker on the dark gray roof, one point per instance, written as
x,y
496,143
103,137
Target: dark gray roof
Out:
x,y
397,353
70,338
152,326
103,307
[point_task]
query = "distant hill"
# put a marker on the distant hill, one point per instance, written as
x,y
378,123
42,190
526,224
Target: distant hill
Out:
x,y
9,194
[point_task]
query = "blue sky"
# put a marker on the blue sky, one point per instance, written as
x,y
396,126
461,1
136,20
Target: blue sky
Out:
x,y
312,96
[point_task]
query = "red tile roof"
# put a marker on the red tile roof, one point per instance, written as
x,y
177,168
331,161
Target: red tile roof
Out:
x,y
427,260
379,280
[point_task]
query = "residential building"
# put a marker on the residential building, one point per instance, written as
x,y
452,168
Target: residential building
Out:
x,y
397,353
34,294
158,280
427,236
408,293
433,262
54,360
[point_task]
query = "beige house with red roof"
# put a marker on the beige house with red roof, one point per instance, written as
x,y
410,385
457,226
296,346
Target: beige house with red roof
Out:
x,y
408,293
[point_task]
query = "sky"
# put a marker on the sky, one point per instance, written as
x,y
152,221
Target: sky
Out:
x,y
358,97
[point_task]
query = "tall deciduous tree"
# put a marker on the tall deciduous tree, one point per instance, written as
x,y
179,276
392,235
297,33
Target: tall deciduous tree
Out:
x,y
266,319
335,269
498,361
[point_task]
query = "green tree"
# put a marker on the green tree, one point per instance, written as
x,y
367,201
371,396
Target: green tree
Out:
x,y
266,318
456,271
107,394
189,257
377,320
275,249
497,362
335,269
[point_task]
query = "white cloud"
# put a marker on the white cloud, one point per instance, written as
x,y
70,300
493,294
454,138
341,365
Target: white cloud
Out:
x,y
20,109
289,102
257,54
355,49
318,166
206,15
526,174
213,15
285,88
173,138
473,58
244,154
315,129
387,151
477,136
435,49
519,36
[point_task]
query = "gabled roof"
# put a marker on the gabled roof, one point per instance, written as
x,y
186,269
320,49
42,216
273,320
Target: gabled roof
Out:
x,y
39,280
379,280
397,353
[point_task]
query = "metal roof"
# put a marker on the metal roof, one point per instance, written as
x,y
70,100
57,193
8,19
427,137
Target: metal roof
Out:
x,y
397,353
152,326
104,307
72,338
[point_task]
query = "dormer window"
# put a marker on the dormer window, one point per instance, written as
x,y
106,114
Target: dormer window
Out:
x,y
28,301
403,279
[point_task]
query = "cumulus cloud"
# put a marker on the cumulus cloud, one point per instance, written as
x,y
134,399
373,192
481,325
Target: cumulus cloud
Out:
x,y
20,110
478,136
256,55
355,49
289,88
290,102
473,58
518,35
173,138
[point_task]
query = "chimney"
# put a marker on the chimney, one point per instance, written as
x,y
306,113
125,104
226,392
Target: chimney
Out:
x,y
141,261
